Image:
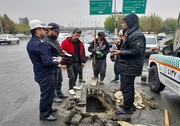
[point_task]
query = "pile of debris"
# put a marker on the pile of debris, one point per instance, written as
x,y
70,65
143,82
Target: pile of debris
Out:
x,y
99,107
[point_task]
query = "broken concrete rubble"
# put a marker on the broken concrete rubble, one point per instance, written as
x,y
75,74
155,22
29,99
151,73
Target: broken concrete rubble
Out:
x,y
79,115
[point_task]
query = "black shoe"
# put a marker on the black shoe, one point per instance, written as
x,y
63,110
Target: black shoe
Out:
x,y
49,118
82,81
54,110
133,108
62,96
114,80
122,111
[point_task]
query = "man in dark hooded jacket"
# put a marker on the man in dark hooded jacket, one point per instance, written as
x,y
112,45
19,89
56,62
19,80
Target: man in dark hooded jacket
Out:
x,y
131,59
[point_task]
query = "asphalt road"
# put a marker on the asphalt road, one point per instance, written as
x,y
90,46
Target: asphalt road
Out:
x,y
19,93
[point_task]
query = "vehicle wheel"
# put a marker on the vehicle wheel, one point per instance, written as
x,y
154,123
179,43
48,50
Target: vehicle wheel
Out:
x,y
153,79
18,42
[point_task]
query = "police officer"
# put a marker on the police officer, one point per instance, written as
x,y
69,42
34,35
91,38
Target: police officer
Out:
x,y
44,67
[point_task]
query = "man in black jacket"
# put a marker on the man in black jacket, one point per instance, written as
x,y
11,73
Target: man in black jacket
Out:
x,y
56,52
44,67
131,59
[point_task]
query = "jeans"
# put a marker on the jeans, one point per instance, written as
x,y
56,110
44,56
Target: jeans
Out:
x,y
58,82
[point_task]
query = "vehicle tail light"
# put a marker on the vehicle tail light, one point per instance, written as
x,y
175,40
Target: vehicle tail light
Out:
x,y
154,49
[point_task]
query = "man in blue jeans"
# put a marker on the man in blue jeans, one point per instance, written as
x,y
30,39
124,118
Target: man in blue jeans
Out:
x,y
56,52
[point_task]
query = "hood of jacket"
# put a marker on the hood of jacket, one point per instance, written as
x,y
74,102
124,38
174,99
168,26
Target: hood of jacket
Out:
x,y
132,22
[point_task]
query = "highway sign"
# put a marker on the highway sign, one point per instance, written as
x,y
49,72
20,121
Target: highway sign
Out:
x,y
134,6
100,7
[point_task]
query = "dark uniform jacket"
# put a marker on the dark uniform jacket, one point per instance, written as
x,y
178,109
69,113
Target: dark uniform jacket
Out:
x,y
40,55
132,50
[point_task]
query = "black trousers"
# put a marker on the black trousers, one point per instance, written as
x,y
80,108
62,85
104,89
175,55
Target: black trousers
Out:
x,y
127,88
99,68
47,89
116,70
80,73
72,71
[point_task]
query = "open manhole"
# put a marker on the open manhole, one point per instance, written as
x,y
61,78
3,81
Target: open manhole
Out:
x,y
93,104
98,101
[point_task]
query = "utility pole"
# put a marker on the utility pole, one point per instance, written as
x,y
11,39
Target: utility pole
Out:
x,y
115,19
1,27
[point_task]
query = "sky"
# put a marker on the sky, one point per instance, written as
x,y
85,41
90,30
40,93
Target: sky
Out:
x,y
76,12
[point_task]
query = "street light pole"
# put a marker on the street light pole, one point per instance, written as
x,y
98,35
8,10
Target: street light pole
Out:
x,y
115,19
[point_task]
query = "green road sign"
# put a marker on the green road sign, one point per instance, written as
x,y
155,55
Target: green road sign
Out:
x,y
100,7
134,6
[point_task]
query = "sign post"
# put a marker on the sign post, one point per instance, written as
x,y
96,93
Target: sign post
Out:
x,y
134,6
100,7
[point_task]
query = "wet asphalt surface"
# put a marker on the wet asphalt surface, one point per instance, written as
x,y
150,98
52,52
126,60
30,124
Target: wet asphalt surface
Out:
x,y
19,93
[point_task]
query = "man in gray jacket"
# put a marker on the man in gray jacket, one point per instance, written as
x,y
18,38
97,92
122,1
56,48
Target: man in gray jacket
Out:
x,y
131,59
56,52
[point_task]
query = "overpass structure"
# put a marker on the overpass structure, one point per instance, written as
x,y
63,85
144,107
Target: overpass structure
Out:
x,y
82,28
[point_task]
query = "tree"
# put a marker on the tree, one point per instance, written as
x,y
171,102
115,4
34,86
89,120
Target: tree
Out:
x,y
109,23
150,23
26,21
21,28
7,24
168,25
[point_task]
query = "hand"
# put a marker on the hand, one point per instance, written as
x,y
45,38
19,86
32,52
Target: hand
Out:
x,y
115,52
59,65
116,41
82,65
64,51
93,50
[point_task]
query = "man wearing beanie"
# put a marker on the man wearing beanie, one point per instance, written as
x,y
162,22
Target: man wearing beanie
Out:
x,y
131,59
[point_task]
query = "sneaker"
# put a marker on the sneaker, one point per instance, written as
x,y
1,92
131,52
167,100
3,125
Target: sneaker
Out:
x,y
62,96
122,111
72,92
49,118
57,100
82,81
76,88
101,82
